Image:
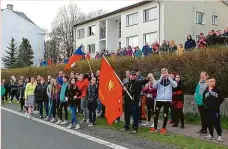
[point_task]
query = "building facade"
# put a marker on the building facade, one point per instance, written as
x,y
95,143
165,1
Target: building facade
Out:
x,y
17,25
150,21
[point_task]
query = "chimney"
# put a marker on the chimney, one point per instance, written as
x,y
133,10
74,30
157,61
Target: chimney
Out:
x,y
10,7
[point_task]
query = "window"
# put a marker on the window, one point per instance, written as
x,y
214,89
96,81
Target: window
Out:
x,y
91,30
132,19
132,41
200,17
91,48
150,38
81,33
150,14
214,20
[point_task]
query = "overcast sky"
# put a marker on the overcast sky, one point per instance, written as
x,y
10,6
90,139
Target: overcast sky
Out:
x,y
43,12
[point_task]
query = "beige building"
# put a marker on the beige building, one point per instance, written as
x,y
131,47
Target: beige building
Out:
x,y
150,21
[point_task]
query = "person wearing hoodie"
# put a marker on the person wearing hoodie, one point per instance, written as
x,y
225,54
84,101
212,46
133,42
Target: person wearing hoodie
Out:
x,y
150,96
180,50
72,94
190,44
146,50
82,85
92,95
178,103
200,88
212,99
211,39
137,52
42,97
21,91
164,88
63,102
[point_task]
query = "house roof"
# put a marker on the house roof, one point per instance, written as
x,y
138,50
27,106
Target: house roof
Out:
x,y
114,12
21,14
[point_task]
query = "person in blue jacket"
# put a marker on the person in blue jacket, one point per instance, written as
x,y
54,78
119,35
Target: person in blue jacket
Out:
x,y
190,44
146,50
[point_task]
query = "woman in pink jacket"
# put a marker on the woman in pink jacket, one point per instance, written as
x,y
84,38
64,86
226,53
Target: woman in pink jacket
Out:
x,y
150,93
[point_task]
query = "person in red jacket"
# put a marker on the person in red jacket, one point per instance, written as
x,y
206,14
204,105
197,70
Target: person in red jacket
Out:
x,y
201,43
82,85
150,96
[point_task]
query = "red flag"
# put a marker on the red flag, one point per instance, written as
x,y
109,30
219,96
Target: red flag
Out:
x,y
110,92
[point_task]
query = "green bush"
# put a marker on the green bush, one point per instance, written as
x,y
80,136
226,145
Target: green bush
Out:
x,y
214,61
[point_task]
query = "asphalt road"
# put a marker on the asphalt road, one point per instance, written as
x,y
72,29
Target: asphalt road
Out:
x,y
21,133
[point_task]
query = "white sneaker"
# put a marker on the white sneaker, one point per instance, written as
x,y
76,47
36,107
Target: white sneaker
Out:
x,y
220,139
90,125
29,116
209,137
65,122
26,114
46,119
17,101
87,122
52,120
145,124
70,126
10,102
77,126
152,125
59,122
37,112
83,121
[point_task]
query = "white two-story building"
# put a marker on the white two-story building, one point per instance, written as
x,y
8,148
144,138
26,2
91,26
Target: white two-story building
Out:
x,y
150,21
17,25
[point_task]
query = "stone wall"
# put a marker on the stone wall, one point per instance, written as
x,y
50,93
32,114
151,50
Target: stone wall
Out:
x,y
191,107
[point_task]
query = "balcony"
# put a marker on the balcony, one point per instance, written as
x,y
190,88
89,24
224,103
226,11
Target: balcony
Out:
x,y
102,32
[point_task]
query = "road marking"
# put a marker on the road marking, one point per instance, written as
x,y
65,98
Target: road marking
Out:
x,y
88,137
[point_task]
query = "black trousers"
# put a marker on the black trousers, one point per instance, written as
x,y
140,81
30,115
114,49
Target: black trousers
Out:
x,y
5,97
203,118
54,108
213,121
78,105
14,94
178,114
63,105
58,107
22,102
150,107
92,111
103,111
159,105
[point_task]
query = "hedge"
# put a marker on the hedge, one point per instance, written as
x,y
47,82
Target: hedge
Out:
x,y
214,61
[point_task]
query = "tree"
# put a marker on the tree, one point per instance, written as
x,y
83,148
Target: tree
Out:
x,y
10,59
25,56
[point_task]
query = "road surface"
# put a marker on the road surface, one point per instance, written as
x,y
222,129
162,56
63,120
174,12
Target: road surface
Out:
x,y
21,133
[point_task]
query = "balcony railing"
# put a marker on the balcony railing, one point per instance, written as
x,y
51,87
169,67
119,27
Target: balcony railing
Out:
x,y
102,32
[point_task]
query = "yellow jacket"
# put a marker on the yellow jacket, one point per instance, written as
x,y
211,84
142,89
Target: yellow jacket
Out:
x,y
180,51
29,90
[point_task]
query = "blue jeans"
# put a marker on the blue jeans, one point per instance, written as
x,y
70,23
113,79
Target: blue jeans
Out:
x,y
74,118
45,107
135,115
99,106
50,107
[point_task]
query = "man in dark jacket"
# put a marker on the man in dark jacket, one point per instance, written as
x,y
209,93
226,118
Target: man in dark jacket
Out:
x,y
131,106
41,97
211,39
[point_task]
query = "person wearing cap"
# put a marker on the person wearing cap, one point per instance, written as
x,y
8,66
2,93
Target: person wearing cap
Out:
x,y
201,43
131,105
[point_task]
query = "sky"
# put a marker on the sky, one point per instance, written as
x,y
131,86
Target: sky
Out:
x,y
43,12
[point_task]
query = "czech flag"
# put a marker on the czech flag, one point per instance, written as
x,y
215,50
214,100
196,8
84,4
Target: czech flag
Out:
x,y
78,54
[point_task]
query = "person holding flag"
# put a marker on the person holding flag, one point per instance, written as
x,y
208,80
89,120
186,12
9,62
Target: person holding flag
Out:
x,y
131,106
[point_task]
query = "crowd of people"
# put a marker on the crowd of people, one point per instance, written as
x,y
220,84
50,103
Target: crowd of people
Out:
x,y
79,93
213,38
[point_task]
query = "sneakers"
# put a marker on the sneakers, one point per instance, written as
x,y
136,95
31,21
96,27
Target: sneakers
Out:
x,y
46,119
90,124
52,120
87,122
26,114
203,133
153,129
134,131
220,139
83,121
10,102
70,126
145,124
152,125
77,126
65,122
29,116
58,122
163,131
209,137
40,117
20,110
17,101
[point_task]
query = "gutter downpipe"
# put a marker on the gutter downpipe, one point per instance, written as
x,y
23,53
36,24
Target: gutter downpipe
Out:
x,y
159,21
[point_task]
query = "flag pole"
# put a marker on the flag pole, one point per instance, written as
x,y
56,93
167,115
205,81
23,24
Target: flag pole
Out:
x,y
89,65
119,79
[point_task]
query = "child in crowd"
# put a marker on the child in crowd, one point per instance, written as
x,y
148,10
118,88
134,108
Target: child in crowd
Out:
x,y
178,103
63,102
164,88
92,95
72,94
29,96
200,88
20,95
212,99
